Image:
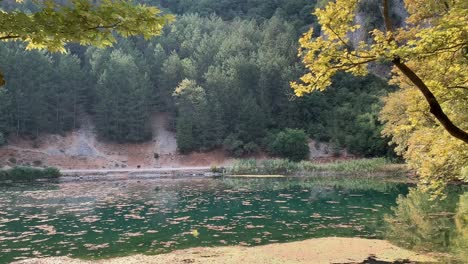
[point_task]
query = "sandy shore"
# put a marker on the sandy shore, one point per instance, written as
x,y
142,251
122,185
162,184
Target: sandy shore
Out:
x,y
317,251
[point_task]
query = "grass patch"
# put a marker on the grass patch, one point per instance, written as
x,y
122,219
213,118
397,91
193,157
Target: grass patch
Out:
x,y
286,167
28,174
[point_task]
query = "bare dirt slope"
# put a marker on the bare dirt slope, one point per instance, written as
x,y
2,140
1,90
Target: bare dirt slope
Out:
x,y
316,251
82,150
165,140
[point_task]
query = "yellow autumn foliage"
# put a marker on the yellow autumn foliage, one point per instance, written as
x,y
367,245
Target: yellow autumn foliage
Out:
x,y
80,21
427,147
433,43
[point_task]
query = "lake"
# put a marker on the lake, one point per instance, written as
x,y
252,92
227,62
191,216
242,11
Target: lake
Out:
x,y
102,219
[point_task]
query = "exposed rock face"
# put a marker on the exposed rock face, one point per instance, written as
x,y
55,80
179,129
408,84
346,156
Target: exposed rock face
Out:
x,y
369,16
325,151
81,149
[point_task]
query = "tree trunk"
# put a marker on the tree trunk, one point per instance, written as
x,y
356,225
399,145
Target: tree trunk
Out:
x,y
434,105
2,80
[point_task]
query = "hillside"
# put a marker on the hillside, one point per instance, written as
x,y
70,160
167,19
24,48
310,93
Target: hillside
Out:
x,y
81,149
222,76
226,84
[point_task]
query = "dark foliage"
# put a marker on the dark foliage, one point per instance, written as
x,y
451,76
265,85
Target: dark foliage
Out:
x,y
290,144
240,57
28,174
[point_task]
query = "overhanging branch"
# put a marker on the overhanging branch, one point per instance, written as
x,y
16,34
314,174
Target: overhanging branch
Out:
x,y
434,106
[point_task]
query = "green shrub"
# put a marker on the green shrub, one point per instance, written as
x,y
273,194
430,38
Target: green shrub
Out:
x,y
29,174
290,144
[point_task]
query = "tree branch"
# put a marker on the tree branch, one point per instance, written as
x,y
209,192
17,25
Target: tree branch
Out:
x,y
9,37
338,36
105,26
458,87
348,66
386,15
434,106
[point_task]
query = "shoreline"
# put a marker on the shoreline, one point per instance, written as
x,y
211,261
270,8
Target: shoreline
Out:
x,y
276,168
317,251
140,171
204,172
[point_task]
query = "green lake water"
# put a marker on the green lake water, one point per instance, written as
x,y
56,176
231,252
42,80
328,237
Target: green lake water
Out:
x,y
102,219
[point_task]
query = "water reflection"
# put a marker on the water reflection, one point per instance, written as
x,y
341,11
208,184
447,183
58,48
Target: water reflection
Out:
x,y
107,219
424,224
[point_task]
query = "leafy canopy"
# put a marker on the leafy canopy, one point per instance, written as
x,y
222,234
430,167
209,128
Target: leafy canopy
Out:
x,y
80,21
331,52
427,117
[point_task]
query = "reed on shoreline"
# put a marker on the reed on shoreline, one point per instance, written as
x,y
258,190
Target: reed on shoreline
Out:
x,y
286,167
28,174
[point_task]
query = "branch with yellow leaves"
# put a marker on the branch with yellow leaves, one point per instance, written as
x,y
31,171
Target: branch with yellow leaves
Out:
x,y
82,22
434,105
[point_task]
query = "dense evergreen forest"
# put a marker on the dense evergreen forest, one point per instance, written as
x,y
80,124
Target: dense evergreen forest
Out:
x,y
222,69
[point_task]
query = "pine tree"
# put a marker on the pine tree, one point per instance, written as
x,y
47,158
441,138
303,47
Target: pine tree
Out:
x,y
194,112
122,109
